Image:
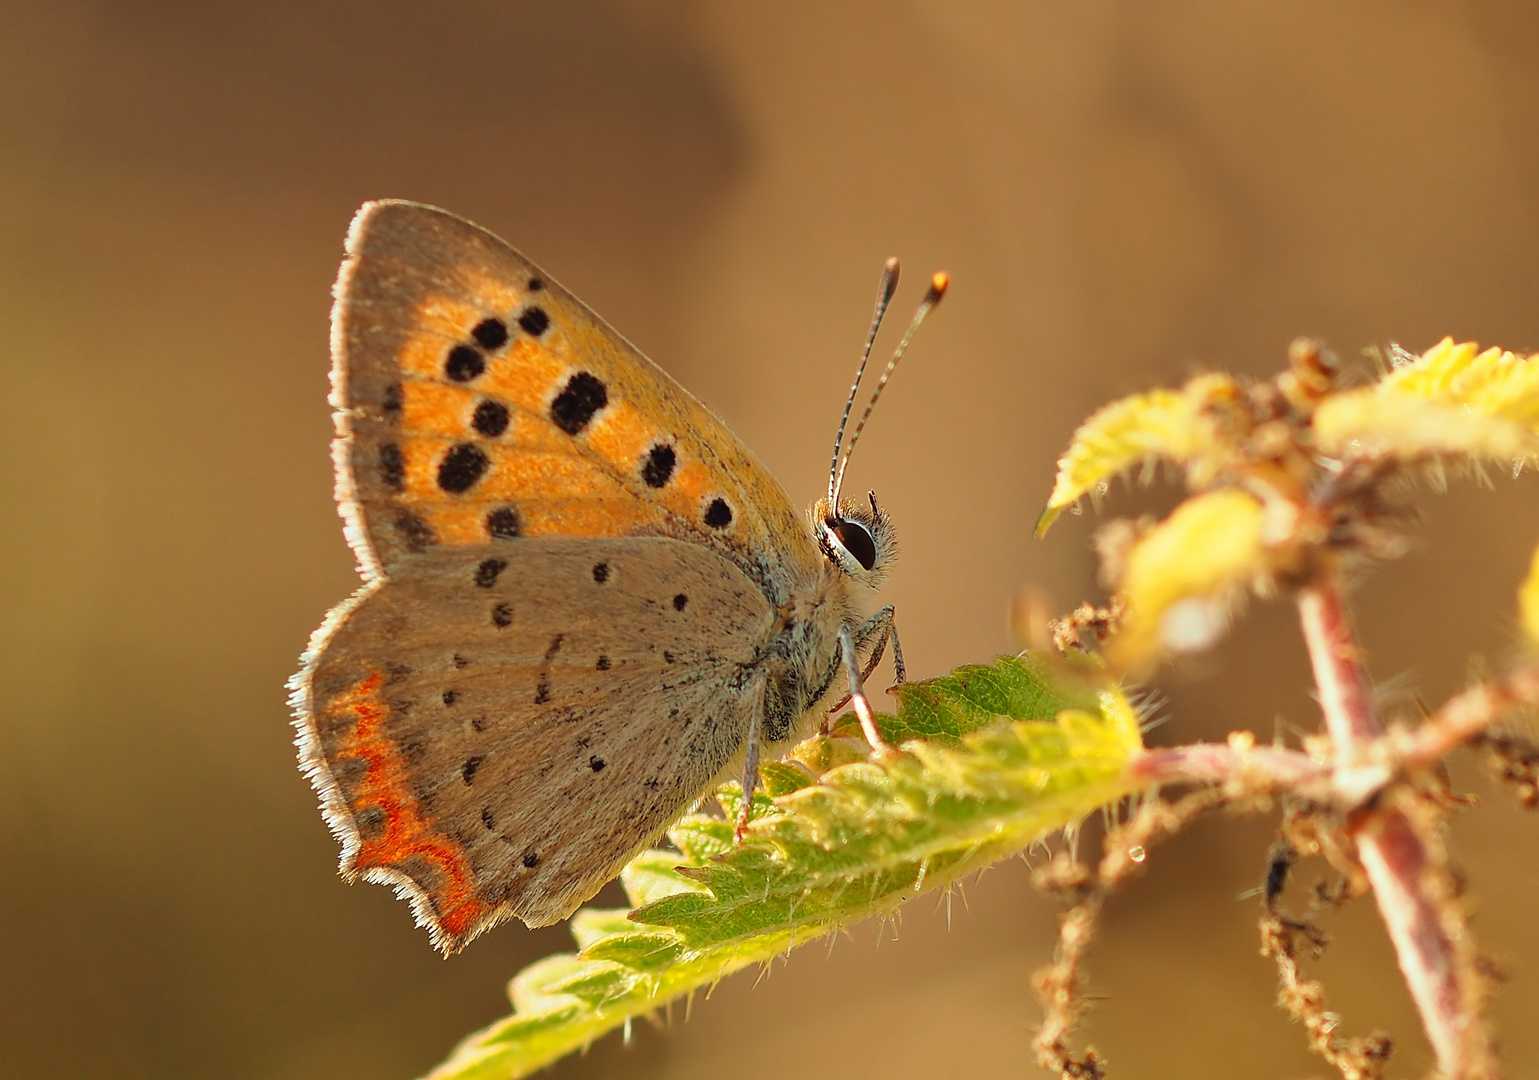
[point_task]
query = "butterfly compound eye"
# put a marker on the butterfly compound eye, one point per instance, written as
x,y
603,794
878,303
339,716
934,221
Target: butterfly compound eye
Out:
x,y
856,539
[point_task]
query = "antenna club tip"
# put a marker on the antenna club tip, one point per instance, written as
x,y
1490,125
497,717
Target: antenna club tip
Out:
x,y
938,286
891,265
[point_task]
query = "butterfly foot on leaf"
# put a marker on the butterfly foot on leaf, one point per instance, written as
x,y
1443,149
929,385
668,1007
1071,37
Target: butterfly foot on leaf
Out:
x,y
880,747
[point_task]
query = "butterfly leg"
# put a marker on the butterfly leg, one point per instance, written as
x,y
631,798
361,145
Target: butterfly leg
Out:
x,y
750,764
858,697
882,626
879,628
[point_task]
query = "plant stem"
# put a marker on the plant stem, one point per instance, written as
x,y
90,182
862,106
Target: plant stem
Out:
x,y
1267,768
1393,851
1468,714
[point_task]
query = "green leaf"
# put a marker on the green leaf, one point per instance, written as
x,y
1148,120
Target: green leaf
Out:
x,y
993,758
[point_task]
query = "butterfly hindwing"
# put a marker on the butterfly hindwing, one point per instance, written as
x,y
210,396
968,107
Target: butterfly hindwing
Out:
x,y
500,730
478,400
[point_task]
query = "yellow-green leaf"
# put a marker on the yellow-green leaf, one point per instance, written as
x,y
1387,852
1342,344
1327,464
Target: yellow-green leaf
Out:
x,y
1372,422
1493,382
1181,577
1018,749
1454,400
1528,604
1173,425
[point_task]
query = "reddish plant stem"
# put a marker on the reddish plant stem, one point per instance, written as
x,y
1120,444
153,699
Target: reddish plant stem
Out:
x,y
1345,781
1393,854
1269,768
1468,714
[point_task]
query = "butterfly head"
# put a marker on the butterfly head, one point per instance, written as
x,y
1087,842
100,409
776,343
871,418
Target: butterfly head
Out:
x,y
857,539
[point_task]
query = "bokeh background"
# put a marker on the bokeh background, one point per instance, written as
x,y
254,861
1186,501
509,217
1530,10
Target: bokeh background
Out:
x,y
1122,191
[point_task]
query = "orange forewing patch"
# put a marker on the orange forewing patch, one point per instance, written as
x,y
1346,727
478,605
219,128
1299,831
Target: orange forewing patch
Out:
x,y
519,475
456,524
431,408
407,831
621,434
554,482
512,475
691,484
590,517
526,376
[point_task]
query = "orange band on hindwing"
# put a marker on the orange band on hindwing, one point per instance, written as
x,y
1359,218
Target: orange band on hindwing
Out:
x,y
385,787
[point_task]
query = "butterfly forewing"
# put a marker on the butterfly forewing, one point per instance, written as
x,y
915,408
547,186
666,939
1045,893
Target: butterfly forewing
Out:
x,y
497,736
478,400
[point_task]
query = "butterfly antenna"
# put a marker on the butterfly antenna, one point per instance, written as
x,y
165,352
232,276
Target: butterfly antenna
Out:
x,y
937,290
884,293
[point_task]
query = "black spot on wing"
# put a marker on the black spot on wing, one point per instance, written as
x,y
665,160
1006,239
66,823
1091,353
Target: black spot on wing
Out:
x,y
600,572
415,533
583,396
490,334
718,515
502,616
657,469
503,524
531,859
462,467
490,419
680,602
468,769
464,363
534,321
596,763
392,467
486,573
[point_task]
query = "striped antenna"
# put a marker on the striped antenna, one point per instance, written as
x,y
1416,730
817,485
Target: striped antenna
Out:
x,y
884,291
938,286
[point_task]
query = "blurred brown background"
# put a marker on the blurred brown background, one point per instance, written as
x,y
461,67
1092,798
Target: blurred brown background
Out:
x,y
1121,191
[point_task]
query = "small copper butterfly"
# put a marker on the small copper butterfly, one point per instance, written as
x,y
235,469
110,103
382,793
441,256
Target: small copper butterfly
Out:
x,y
585,602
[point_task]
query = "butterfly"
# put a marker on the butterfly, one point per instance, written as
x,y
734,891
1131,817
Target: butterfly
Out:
x,y
585,604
